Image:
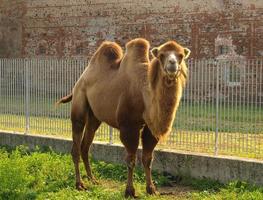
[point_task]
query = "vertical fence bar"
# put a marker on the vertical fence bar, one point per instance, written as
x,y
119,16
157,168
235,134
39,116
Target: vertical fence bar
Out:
x,y
8,116
1,66
255,107
27,96
217,107
244,104
2,96
247,103
260,103
111,135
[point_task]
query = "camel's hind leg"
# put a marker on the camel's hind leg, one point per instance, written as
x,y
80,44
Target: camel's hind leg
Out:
x,y
148,144
92,124
78,119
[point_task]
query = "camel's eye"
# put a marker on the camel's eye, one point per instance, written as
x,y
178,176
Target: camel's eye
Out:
x,y
161,56
180,57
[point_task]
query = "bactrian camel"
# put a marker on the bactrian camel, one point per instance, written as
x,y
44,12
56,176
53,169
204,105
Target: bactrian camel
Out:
x,y
129,92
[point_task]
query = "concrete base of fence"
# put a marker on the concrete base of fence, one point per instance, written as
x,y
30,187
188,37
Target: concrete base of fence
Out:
x,y
223,169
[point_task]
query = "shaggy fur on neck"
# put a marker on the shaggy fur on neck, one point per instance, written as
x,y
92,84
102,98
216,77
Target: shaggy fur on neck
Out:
x,y
166,92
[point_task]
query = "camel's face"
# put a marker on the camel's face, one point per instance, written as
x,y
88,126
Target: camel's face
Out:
x,y
171,57
171,61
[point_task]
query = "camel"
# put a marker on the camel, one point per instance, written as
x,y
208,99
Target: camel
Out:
x,y
129,92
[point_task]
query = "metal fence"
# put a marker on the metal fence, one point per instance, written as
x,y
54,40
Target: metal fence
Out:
x,y
221,111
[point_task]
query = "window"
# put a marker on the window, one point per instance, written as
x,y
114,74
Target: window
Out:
x,y
79,50
233,75
222,50
42,50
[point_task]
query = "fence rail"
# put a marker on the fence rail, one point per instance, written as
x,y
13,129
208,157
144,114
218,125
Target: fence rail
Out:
x,y
221,110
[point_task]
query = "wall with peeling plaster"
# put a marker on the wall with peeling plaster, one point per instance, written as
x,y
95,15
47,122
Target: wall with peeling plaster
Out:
x,y
75,28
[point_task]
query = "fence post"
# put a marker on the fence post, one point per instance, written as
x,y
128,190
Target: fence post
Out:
x,y
217,107
27,96
111,135
1,61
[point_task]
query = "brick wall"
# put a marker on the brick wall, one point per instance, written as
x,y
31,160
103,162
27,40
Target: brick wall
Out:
x,y
11,23
74,28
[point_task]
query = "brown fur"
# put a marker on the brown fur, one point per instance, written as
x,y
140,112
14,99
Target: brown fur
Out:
x,y
111,52
136,95
166,92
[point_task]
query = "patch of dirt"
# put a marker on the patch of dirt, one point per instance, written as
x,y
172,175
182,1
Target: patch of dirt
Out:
x,y
178,191
172,192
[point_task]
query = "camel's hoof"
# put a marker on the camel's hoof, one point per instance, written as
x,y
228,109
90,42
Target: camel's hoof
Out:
x,y
151,189
92,179
130,192
80,186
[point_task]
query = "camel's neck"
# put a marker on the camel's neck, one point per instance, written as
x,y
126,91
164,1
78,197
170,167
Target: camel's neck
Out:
x,y
165,94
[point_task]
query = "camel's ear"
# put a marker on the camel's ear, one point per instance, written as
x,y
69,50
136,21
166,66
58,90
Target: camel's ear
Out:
x,y
186,53
154,52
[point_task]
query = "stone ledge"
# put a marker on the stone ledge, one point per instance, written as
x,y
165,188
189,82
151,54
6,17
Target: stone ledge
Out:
x,y
223,169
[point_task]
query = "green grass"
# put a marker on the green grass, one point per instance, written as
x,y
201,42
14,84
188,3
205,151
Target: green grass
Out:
x,y
48,175
240,126
191,116
236,144
232,117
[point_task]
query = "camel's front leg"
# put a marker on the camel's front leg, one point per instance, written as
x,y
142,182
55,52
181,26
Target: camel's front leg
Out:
x,y
130,139
148,143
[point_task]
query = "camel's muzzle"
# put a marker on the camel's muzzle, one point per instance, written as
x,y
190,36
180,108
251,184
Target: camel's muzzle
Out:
x,y
172,68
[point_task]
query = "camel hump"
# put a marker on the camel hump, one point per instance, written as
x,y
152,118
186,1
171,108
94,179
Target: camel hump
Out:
x,y
137,50
111,51
138,43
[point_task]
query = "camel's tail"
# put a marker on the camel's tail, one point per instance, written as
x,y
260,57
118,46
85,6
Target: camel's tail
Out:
x,y
64,99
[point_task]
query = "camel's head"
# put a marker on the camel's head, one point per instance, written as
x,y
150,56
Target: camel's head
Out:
x,y
171,56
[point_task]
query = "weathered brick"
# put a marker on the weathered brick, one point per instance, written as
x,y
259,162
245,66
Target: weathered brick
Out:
x,y
62,27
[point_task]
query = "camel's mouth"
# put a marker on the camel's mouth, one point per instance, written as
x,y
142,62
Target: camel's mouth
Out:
x,y
172,69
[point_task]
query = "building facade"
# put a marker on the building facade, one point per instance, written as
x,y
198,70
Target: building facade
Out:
x,y
75,28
